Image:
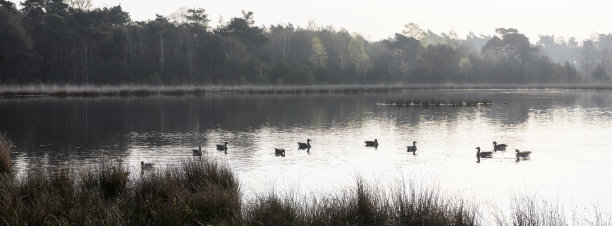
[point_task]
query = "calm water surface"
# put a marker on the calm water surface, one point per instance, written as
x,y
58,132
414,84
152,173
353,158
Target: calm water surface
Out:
x,y
569,133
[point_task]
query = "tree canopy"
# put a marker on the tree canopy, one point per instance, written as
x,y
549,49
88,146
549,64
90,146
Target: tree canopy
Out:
x,y
69,42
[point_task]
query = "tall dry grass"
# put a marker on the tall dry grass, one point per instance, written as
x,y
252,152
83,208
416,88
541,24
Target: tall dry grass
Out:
x,y
181,90
528,211
194,192
363,205
6,164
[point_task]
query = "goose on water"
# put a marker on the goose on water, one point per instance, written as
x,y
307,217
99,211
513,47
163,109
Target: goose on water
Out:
x,y
522,154
499,147
279,152
483,154
304,145
148,165
412,148
371,143
222,146
197,152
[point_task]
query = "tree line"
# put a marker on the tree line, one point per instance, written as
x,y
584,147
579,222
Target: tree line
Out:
x,y
55,41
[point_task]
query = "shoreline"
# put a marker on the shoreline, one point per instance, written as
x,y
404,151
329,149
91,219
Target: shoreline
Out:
x,y
189,90
207,191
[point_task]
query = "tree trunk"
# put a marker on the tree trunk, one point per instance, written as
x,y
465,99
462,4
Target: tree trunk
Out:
x,y
357,72
140,38
129,41
161,55
84,72
190,60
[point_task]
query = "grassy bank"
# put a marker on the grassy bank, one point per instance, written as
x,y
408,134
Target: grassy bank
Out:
x,y
201,192
143,91
195,192
363,205
204,192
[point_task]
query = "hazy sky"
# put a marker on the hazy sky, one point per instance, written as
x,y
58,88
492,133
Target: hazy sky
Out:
x,y
381,19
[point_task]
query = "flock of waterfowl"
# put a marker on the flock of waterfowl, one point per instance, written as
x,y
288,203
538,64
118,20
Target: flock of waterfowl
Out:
x,y
281,151
374,143
500,147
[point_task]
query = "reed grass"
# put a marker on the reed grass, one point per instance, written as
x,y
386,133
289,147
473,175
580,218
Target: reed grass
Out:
x,y
6,164
433,102
145,90
362,205
528,211
194,192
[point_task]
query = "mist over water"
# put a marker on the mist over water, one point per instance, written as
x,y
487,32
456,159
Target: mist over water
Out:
x,y
567,131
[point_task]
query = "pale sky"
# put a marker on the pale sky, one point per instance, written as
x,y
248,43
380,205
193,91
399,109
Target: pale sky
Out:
x,y
380,19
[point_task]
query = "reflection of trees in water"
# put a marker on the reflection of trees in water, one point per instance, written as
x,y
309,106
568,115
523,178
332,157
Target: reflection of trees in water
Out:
x,y
508,108
85,124
252,112
75,127
514,108
594,100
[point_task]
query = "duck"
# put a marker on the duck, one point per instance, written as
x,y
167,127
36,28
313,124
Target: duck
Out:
x,y
499,147
304,145
197,152
279,152
412,148
371,143
148,165
522,154
222,146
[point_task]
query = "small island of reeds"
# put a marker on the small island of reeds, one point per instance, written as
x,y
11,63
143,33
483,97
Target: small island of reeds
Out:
x,y
434,102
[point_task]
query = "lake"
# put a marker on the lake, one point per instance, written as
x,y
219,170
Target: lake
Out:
x,y
568,131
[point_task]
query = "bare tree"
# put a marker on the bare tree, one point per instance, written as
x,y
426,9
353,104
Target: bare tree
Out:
x,y
587,54
79,4
414,31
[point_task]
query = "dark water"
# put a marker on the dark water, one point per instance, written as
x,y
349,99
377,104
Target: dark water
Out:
x,y
569,133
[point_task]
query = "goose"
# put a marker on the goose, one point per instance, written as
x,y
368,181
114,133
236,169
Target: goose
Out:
x,y
499,147
371,143
484,154
279,152
304,145
522,154
222,146
197,152
148,165
412,148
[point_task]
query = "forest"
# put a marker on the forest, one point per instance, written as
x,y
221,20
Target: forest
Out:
x,y
63,42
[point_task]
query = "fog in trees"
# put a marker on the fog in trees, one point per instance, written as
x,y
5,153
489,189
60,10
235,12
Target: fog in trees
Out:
x,y
69,42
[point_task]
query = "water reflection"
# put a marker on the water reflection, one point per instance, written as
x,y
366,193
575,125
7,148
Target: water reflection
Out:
x,y
163,130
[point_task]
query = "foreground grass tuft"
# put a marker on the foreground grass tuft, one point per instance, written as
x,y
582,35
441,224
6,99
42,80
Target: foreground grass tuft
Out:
x,y
363,205
533,211
6,165
107,195
112,180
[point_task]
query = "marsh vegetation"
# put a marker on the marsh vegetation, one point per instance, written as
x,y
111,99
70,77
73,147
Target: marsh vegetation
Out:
x,y
203,191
